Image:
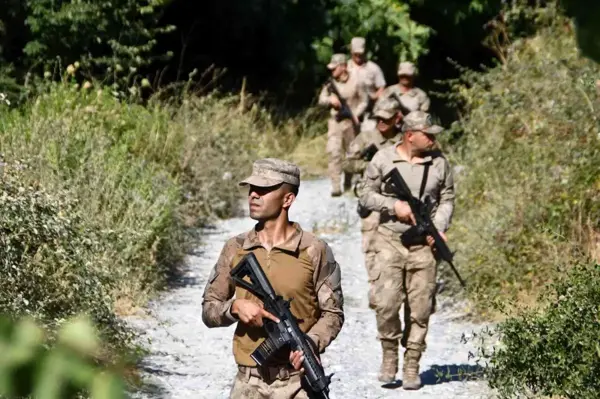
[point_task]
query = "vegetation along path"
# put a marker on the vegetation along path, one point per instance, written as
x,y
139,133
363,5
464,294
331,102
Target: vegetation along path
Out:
x,y
187,360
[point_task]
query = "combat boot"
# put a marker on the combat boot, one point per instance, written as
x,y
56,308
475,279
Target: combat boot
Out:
x,y
389,362
410,370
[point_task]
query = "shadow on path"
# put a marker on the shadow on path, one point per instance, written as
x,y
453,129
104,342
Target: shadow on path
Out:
x,y
441,374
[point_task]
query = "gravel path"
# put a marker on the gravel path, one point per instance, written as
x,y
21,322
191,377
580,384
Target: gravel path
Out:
x,y
187,360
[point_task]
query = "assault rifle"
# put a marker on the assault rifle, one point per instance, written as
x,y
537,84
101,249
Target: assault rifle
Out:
x,y
424,225
286,333
344,112
368,153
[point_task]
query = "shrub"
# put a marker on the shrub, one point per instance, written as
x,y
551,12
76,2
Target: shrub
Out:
x,y
47,260
529,188
553,350
127,181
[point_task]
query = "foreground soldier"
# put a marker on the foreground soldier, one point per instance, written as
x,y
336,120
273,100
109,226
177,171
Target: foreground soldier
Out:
x,y
298,265
386,134
406,275
341,133
411,97
369,75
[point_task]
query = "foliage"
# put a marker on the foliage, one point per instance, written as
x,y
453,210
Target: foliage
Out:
x,y
116,36
69,368
123,183
552,351
47,256
385,23
529,156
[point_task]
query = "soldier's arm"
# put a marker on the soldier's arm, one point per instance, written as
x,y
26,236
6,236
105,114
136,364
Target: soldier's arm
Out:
x,y
443,214
370,193
328,286
362,101
425,102
379,81
219,291
385,93
353,162
324,97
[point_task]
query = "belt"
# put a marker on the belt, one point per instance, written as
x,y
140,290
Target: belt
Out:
x,y
269,373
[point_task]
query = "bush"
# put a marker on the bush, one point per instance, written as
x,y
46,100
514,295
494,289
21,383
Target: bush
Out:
x,y
529,188
553,351
126,181
47,257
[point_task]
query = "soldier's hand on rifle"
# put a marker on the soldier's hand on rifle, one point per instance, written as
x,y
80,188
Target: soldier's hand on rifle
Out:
x,y
431,242
251,313
404,213
355,119
335,102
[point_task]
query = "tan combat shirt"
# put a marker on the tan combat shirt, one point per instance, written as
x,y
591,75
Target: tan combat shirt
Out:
x,y
369,75
378,196
302,268
415,99
355,96
353,162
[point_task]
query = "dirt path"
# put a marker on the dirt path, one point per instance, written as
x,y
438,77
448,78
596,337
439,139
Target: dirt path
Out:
x,y
188,360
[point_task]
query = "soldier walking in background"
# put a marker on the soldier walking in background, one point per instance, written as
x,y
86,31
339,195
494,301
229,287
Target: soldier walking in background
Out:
x,y
370,76
297,264
412,98
361,151
343,123
406,275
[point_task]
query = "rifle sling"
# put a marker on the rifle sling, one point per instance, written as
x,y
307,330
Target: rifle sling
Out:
x,y
424,182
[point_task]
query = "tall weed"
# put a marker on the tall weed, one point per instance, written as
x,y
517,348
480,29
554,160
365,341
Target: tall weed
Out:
x,y
529,148
132,178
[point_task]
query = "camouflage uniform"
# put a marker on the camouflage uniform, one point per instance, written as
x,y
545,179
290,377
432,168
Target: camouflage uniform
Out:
x,y
413,99
303,268
369,75
356,164
406,275
340,134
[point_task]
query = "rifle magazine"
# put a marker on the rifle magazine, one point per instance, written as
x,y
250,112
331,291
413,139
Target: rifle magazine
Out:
x,y
267,349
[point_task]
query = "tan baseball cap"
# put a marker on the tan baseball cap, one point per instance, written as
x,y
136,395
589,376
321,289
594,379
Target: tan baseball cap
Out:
x,y
407,68
358,45
387,109
270,172
422,121
337,59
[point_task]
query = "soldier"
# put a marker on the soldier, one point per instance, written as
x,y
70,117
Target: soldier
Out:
x,y
406,275
412,98
341,133
386,134
298,265
369,75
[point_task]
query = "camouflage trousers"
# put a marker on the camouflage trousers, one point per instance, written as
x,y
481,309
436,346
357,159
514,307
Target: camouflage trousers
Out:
x,y
402,276
339,137
369,231
248,386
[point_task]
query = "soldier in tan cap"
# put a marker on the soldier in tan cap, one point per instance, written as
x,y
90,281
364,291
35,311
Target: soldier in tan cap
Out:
x,y
298,265
341,131
361,151
412,98
369,75
406,275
